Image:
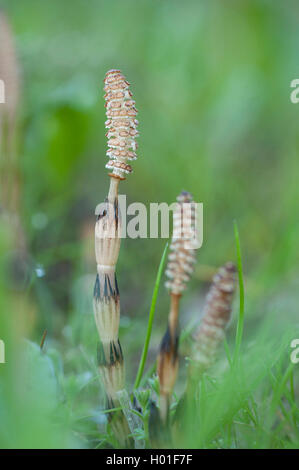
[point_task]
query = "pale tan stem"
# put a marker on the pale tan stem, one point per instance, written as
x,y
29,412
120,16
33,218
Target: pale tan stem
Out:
x,y
113,188
174,312
164,406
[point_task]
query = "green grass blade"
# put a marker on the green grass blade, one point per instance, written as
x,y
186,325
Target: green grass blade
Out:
x,y
150,319
240,324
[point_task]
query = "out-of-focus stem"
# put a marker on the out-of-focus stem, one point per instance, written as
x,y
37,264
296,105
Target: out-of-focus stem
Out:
x,y
174,312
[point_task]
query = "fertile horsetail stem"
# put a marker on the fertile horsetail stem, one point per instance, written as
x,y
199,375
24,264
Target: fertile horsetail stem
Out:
x,y
216,316
207,338
10,176
9,74
121,146
179,269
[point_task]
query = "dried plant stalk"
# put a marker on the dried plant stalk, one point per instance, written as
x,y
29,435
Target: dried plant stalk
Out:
x,y
10,179
216,316
9,73
120,109
179,269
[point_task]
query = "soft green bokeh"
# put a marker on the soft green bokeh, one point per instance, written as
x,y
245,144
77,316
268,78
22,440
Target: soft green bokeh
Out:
x,y
211,80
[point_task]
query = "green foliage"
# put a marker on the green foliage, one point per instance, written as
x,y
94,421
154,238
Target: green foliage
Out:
x,y
211,82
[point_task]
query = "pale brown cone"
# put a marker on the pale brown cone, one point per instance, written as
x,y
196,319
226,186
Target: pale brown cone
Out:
x,y
216,316
182,255
121,123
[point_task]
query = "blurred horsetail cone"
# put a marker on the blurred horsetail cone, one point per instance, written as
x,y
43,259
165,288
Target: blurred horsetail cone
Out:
x,y
216,316
121,124
179,269
182,255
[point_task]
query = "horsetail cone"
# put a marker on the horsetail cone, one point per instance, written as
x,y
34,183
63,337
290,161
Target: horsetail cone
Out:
x,y
216,316
121,124
182,255
179,269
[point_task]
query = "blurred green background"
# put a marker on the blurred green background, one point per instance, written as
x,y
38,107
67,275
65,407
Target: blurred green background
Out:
x,y
211,81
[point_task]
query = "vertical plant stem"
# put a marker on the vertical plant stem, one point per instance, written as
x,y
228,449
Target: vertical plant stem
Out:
x,y
121,125
183,337
113,189
150,319
179,269
240,325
